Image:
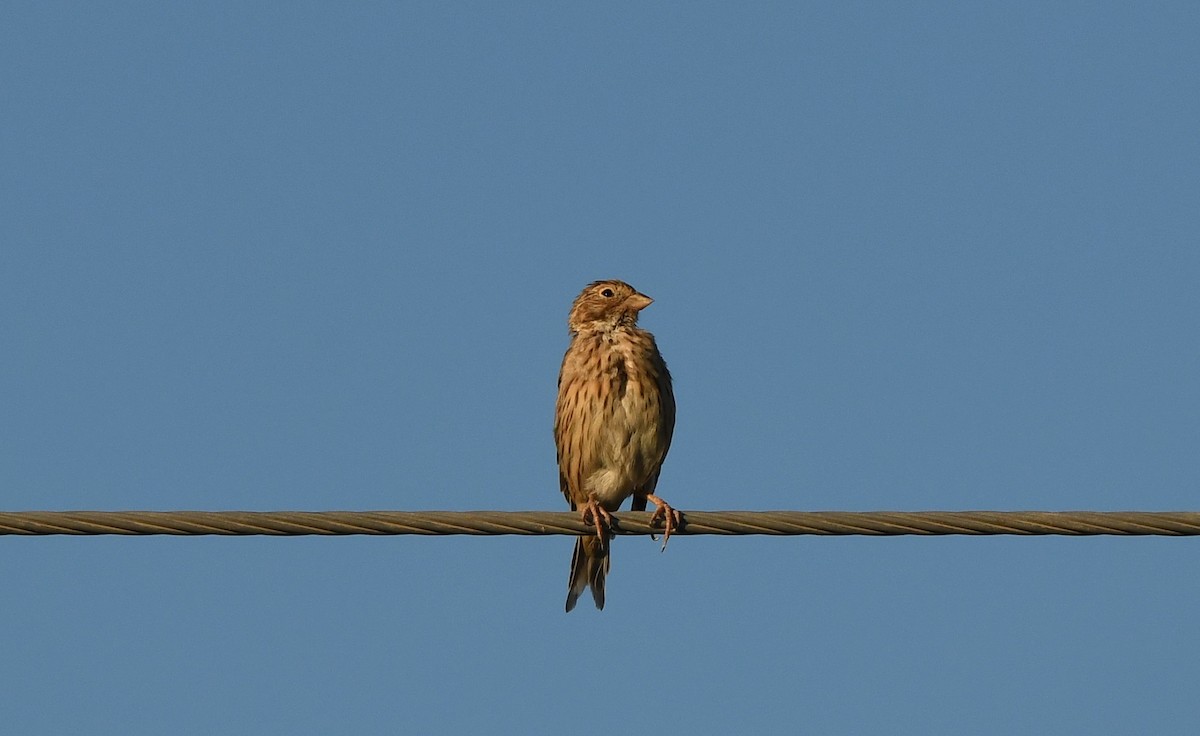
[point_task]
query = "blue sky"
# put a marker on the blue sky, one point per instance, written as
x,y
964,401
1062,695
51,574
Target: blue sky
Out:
x,y
905,256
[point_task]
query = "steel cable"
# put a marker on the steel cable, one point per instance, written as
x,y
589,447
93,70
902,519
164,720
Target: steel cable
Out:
x,y
541,523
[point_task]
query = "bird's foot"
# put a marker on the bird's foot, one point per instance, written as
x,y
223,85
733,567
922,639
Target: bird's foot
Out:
x,y
596,514
665,515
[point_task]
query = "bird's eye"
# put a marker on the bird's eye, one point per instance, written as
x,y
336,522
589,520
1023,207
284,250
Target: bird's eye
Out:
x,y
606,293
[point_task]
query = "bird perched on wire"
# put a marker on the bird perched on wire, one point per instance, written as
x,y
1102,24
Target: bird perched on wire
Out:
x,y
612,424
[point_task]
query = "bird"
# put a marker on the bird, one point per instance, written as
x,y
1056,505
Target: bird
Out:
x,y
613,423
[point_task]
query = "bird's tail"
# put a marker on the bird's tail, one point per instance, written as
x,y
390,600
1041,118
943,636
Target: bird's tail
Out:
x,y
589,565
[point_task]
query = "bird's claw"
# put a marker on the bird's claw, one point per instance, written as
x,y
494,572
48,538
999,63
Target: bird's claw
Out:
x,y
668,517
594,513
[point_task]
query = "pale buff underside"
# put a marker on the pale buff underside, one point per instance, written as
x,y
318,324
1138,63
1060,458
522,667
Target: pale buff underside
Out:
x,y
615,416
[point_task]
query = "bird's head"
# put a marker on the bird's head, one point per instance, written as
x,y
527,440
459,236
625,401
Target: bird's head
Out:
x,y
605,305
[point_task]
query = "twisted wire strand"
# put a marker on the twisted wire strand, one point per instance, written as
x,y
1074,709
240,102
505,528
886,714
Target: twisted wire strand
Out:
x,y
542,523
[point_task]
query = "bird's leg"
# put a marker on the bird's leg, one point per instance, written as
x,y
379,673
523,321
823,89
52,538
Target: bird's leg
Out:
x,y
599,516
664,514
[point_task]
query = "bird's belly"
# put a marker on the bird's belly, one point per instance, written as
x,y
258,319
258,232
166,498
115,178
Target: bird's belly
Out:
x,y
627,458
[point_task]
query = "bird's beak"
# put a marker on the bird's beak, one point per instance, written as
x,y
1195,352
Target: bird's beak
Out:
x,y
638,301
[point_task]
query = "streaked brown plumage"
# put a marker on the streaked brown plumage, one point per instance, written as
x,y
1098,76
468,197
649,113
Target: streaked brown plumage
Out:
x,y
612,424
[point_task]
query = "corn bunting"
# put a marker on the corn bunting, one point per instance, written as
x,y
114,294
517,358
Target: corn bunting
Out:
x,y
612,424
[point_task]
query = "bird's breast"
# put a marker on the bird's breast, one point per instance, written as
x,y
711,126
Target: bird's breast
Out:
x,y
613,420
